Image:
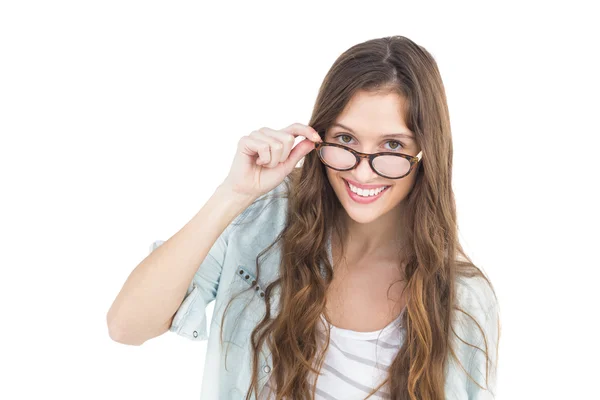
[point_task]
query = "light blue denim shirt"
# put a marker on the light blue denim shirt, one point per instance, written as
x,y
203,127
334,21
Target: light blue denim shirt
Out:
x,y
230,267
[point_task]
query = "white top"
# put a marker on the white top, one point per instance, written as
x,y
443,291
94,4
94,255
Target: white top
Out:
x,y
356,362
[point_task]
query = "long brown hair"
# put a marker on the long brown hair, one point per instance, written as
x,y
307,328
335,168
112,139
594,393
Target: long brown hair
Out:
x,y
434,258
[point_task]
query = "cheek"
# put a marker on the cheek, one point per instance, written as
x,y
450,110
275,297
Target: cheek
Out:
x,y
403,187
332,176
338,185
400,191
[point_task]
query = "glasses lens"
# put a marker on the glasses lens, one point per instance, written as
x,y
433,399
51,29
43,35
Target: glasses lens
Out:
x,y
337,157
392,166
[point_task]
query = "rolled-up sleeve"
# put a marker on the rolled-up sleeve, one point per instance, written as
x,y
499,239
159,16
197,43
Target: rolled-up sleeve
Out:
x,y
190,319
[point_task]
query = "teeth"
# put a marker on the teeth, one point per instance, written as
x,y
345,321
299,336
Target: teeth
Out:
x,y
366,192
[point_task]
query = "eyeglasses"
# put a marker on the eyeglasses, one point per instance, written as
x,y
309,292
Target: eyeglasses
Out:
x,y
389,165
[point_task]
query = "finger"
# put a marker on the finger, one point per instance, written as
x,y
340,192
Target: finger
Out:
x,y
253,146
286,139
299,129
276,147
301,150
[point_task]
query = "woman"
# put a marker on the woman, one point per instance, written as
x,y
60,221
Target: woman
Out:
x,y
341,279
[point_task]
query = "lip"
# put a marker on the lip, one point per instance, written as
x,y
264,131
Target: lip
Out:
x,y
360,199
368,187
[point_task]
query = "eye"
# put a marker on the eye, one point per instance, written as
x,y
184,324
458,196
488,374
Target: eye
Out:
x,y
398,144
342,136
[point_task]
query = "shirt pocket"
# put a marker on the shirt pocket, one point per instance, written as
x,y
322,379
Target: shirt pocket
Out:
x,y
245,312
247,306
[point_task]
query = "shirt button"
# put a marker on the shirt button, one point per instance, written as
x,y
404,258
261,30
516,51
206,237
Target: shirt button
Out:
x,y
267,369
195,333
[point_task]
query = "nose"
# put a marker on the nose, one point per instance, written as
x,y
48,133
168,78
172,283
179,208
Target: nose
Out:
x,y
363,171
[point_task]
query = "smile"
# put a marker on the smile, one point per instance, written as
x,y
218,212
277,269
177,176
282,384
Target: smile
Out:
x,y
365,196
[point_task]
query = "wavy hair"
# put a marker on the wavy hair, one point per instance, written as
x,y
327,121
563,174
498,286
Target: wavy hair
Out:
x,y
433,259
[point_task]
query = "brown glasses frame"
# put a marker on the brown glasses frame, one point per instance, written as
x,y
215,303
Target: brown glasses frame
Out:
x,y
412,159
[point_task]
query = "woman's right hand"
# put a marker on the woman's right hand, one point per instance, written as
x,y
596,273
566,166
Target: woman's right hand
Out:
x,y
265,157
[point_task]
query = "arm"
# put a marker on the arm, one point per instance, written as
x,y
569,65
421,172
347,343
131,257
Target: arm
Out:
x,y
151,295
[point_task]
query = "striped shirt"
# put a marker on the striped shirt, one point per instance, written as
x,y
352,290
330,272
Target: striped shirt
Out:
x,y
355,362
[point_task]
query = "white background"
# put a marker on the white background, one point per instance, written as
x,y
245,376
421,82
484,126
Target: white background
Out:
x,y
119,118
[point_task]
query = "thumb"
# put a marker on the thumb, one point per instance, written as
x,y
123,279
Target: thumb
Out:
x,y
301,149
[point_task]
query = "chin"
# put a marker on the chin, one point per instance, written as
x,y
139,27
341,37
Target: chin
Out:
x,y
362,217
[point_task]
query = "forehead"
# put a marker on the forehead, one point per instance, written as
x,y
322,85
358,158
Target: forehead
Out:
x,y
373,114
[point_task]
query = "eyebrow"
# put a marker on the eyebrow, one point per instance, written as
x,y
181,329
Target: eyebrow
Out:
x,y
389,135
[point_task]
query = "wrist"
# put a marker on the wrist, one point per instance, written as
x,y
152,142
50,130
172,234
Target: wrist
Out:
x,y
233,199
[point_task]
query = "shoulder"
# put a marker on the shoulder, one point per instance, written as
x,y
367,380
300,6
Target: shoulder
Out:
x,y
475,293
264,219
479,333
477,316
475,326
252,232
